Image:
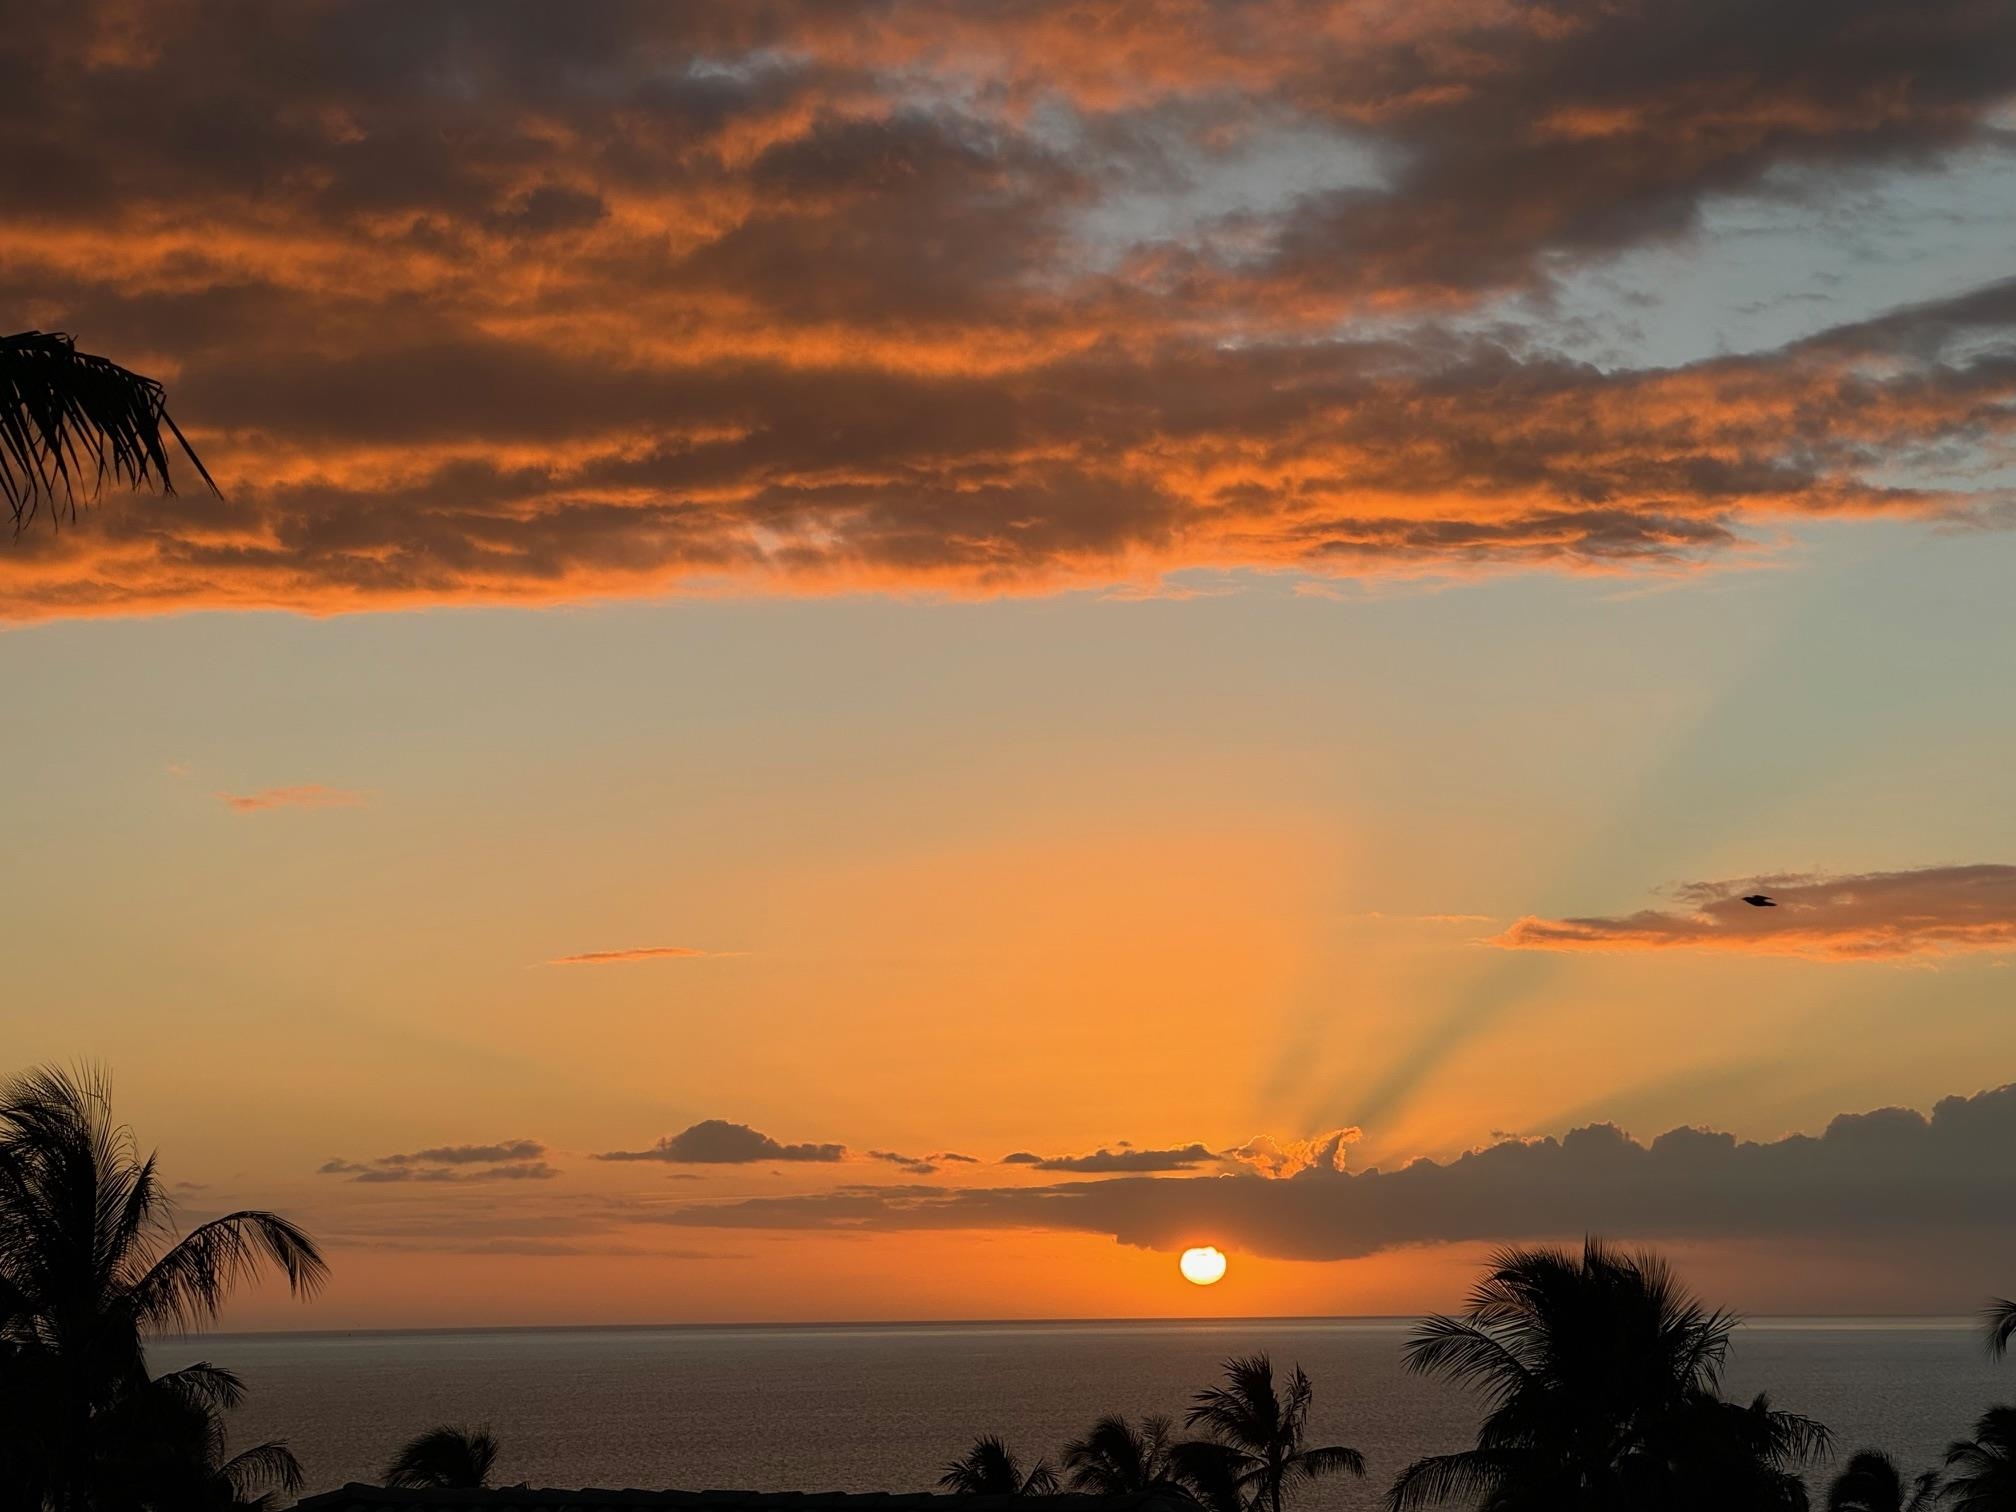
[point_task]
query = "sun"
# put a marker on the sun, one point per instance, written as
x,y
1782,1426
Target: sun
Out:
x,y
1203,1267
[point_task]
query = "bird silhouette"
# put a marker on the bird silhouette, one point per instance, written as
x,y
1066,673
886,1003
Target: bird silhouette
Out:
x,y
1758,900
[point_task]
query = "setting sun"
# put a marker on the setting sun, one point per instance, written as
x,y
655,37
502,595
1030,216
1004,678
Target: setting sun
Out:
x,y
1202,1267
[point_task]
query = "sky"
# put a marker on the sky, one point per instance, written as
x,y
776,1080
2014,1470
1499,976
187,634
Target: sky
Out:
x,y
879,661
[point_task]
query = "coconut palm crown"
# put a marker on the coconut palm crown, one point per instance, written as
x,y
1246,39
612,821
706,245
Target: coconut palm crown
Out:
x,y
990,1468
1258,1439
454,1459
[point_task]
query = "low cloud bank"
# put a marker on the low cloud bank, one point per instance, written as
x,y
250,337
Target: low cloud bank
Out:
x,y
1893,1171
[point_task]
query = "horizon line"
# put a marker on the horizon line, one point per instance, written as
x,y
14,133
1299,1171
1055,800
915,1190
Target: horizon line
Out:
x,y
1919,1320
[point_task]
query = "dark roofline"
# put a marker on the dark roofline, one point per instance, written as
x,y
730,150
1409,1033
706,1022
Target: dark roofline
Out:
x,y
361,1497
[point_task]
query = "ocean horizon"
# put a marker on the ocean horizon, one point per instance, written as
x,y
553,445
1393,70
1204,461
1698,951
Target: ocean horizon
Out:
x,y
869,1406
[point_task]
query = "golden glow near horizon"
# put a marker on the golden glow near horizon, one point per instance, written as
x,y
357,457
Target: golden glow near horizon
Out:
x,y
1202,1267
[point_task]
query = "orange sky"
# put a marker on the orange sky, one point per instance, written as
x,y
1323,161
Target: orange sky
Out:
x,y
1136,587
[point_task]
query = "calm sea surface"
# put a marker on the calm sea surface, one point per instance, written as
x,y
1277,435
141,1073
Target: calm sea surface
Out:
x,y
883,1407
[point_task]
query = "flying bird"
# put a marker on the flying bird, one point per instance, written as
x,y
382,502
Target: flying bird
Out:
x,y
1758,900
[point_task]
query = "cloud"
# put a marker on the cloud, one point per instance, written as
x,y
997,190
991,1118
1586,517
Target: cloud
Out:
x,y
1266,1156
506,1160
469,1154
635,953
533,1170
1869,1177
762,299
1927,913
1104,1161
916,1165
715,1141
301,795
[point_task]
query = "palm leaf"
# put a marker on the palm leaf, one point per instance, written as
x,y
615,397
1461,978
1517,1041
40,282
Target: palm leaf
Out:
x,y
1335,1459
186,1286
444,1458
1469,1473
204,1385
70,422
264,1467
1999,1318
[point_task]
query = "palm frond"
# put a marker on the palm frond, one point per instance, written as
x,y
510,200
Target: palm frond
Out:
x,y
1467,1353
444,1458
262,1469
205,1385
70,422
1999,1319
989,1468
1439,1478
1242,1411
1211,1471
186,1286
1041,1481
1334,1459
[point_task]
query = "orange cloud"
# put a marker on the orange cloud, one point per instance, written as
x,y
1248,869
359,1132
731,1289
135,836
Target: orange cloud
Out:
x,y
786,298
635,953
301,795
1930,912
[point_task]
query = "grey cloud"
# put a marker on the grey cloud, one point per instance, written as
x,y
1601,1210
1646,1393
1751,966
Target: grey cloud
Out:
x,y
535,1170
507,1160
1126,1158
715,1141
916,1165
469,1154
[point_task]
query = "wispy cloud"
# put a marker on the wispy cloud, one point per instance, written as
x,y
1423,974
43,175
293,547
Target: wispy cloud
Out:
x,y
916,1165
1126,1158
504,1160
638,953
1926,913
312,795
469,1154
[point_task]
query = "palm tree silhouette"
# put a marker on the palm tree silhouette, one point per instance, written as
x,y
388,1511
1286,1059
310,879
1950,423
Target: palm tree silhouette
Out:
x,y
1981,1471
1603,1382
169,1450
444,1458
69,421
89,1266
1118,1459
1258,1439
990,1468
1871,1482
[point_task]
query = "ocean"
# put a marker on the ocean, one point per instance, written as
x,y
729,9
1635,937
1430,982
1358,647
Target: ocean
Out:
x,y
883,1407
